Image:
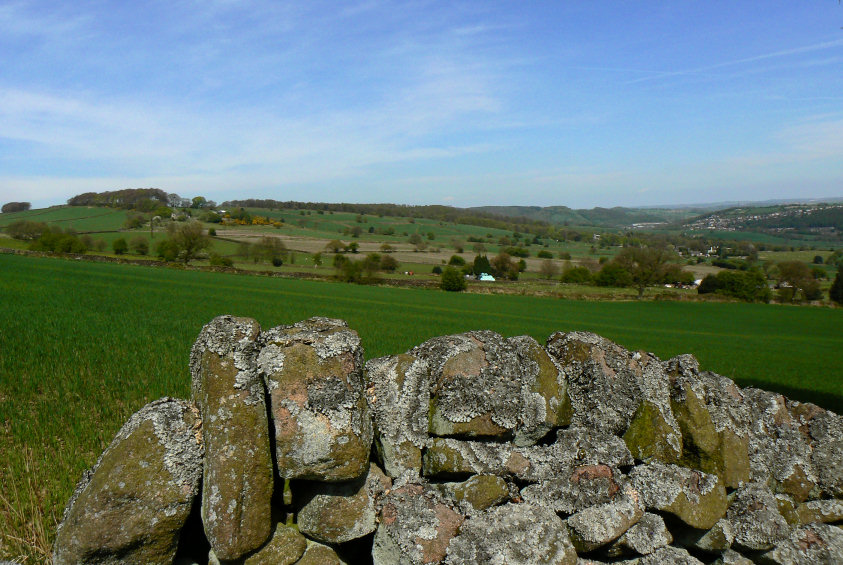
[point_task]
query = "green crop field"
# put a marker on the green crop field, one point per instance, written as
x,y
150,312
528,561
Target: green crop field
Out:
x,y
84,345
79,218
332,225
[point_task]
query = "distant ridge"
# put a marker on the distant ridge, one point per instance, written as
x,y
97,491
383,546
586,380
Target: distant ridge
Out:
x,y
600,217
537,219
710,206
626,216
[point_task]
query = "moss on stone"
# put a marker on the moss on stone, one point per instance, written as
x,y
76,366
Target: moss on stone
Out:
x,y
700,441
574,352
441,460
818,511
238,473
787,508
318,554
135,503
703,513
552,387
647,435
482,491
734,452
723,453
285,547
480,426
397,458
797,485
340,512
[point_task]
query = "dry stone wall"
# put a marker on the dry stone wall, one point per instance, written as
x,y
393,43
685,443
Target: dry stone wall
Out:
x,y
467,449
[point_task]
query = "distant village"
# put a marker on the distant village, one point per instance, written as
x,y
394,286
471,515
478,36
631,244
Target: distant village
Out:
x,y
736,221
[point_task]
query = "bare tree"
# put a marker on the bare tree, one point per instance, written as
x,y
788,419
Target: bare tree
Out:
x,y
548,269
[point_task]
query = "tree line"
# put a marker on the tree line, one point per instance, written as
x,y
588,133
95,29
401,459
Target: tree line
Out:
x,y
10,207
431,212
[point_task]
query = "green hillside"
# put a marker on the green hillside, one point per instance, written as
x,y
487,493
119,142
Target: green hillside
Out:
x,y
616,217
83,219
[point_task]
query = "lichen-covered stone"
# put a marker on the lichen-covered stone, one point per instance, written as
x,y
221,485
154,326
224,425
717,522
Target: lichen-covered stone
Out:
x,y
485,386
787,508
513,534
779,447
668,555
578,446
649,435
416,525
732,557
715,434
314,374
131,506
823,511
696,498
570,492
340,512
642,538
398,394
719,538
714,540
598,525
549,383
815,544
520,500
318,554
480,491
755,519
237,472
607,383
826,430
573,447
285,547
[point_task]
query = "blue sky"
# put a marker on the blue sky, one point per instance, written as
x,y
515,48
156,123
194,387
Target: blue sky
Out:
x,y
574,103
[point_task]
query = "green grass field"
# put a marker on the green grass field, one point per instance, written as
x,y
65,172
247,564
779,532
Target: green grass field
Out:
x,y
331,224
79,218
84,345
770,239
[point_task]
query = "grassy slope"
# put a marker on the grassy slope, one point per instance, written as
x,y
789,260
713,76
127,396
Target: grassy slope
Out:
x,y
81,219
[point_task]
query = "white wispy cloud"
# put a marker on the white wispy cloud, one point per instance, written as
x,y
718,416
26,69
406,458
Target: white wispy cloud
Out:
x,y
426,86
442,100
706,69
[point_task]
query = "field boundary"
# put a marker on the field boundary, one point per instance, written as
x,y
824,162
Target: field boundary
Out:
x,y
500,286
